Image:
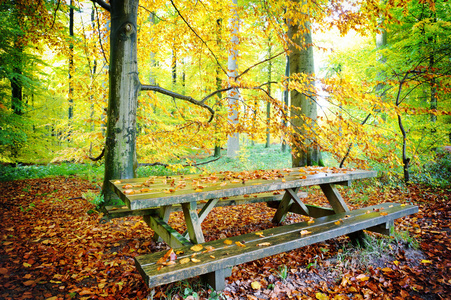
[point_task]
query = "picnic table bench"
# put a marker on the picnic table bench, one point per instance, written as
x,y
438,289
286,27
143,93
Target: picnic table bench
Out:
x,y
156,197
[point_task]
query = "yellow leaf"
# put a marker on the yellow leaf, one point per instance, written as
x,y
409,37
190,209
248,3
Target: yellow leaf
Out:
x,y
228,242
256,285
264,244
387,269
396,263
26,265
197,247
337,223
198,190
184,260
363,277
321,296
311,221
211,256
195,260
239,244
425,261
304,232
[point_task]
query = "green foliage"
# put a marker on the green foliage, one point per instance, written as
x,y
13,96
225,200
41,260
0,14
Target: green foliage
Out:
x,y
282,272
94,198
436,172
8,173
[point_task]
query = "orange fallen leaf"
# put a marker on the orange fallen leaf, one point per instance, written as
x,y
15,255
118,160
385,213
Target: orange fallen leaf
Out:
x,y
127,186
239,244
304,232
211,256
337,222
129,192
383,213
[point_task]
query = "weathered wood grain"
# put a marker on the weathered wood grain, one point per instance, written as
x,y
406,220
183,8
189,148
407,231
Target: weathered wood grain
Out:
x,y
281,239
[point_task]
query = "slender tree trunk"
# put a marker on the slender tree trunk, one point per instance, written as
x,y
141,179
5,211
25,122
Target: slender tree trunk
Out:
x,y
217,151
301,61
16,81
120,148
233,95
71,60
268,104
285,104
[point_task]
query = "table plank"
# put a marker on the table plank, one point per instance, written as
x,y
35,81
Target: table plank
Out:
x,y
180,189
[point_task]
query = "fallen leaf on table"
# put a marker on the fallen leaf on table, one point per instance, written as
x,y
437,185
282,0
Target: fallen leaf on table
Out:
x,y
228,242
129,192
209,248
127,186
264,244
211,256
198,190
337,222
304,232
184,260
195,260
117,182
311,221
197,247
239,244
383,213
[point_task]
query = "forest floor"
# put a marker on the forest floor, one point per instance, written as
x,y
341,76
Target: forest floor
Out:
x,y
52,248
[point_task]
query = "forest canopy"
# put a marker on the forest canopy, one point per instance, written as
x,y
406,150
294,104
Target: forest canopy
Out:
x,y
362,83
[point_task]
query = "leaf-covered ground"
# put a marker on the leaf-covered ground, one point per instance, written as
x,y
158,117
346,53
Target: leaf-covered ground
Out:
x,y
53,249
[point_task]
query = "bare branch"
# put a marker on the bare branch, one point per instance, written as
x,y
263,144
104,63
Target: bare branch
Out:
x,y
103,4
161,90
259,63
98,157
185,165
192,29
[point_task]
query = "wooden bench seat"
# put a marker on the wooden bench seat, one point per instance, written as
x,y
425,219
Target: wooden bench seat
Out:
x,y
216,265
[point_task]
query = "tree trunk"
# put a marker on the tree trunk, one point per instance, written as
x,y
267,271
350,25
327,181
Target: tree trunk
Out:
x,y
71,60
16,81
233,95
120,148
301,61
285,104
268,105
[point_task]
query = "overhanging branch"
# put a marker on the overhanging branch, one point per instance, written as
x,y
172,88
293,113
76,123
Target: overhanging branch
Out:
x,y
161,90
103,4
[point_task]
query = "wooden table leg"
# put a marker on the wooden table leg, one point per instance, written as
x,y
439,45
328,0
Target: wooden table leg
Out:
x,y
285,203
192,222
339,206
163,213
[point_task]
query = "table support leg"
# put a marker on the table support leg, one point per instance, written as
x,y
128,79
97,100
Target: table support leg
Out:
x,y
192,222
163,213
339,206
204,212
217,278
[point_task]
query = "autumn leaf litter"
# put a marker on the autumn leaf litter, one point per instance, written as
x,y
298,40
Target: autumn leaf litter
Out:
x,y
53,249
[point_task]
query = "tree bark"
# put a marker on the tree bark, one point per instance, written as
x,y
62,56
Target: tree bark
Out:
x,y
285,103
301,61
71,60
233,95
120,148
268,104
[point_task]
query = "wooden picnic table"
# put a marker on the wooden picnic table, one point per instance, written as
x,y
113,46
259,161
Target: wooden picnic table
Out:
x,y
155,198
189,190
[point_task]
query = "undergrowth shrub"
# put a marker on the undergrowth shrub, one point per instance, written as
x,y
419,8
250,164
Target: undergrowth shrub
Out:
x,y
436,172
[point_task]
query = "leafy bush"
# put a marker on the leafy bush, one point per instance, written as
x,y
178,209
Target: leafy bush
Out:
x,y
436,172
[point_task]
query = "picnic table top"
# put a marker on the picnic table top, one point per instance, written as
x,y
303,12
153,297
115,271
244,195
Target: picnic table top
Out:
x,y
148,192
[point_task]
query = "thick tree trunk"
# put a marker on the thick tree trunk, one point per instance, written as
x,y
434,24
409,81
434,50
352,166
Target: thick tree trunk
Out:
x,y
301,61
120,150
233,95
